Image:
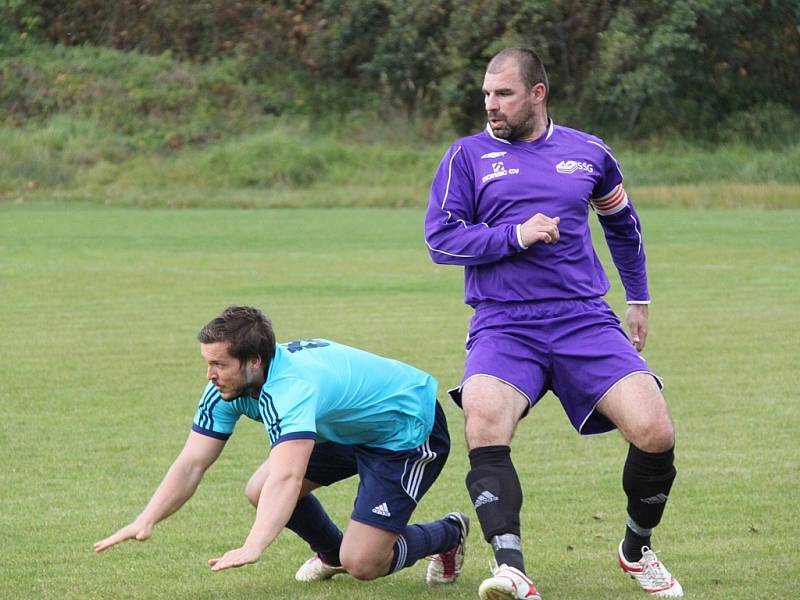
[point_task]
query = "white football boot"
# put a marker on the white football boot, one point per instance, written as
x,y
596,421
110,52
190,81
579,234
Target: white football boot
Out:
x,y
651,574
508,583
446,566
315,569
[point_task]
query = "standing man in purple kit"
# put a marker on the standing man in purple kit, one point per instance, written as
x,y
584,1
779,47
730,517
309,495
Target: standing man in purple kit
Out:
x,y
511,205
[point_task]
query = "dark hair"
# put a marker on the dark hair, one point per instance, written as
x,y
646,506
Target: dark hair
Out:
x,y
531,67
247,330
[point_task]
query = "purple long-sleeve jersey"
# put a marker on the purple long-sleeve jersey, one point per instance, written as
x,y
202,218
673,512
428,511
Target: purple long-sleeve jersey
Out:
x,y
486,187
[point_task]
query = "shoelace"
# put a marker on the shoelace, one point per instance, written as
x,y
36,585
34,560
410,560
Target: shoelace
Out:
x,y
493,567
654,569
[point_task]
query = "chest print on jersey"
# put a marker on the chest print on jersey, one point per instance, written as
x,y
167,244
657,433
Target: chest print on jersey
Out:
x,y
571,166
498,170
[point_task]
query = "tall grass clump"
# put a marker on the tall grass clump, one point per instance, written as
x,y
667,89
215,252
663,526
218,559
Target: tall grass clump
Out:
x,y
277,166
54,153
675,162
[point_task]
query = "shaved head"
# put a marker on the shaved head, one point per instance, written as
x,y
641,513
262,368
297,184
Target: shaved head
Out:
x,y
529,65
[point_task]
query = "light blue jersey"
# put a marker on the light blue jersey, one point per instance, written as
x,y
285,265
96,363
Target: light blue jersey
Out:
x,y
318,389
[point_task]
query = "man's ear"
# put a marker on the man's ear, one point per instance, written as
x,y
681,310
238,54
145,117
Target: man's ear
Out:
x,y
255,363
539,93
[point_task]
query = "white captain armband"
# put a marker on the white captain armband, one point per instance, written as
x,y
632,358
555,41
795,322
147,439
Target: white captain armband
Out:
x,y
612,202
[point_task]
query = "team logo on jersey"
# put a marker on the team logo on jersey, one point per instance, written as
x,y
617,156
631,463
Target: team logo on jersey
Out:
x,y
570,166
493,155
498,170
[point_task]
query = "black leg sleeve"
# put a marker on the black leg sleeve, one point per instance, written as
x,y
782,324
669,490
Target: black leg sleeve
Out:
x,y
647,479
495,490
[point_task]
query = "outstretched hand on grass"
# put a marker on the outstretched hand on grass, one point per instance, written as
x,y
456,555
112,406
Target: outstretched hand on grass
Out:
x,y
136,530
235,558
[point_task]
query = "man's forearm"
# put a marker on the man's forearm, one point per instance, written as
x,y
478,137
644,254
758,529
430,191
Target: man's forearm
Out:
x,y
275,506
178,485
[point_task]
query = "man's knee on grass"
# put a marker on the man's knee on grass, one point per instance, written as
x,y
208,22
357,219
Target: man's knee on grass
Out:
x,y
366,564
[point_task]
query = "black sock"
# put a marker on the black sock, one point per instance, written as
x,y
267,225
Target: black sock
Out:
x,y
632,545
496,494
647,480
510,557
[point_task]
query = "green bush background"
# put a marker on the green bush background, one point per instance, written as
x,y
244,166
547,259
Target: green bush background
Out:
x,y
701,68
330,103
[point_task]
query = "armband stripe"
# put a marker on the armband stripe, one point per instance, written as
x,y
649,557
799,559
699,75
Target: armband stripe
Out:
x,y
611,203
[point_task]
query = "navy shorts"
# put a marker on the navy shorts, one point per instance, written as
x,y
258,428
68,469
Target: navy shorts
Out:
x,y
391,481
577,348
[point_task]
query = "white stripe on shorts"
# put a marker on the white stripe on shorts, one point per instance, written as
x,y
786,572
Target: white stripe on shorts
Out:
x,y
417,470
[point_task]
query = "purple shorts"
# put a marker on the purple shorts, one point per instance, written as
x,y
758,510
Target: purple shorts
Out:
x,y
577,348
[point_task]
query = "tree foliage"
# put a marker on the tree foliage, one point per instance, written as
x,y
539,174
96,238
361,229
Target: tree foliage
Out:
x,y
700,67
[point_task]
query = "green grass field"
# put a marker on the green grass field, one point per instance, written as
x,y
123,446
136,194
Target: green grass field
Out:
x,y
100,307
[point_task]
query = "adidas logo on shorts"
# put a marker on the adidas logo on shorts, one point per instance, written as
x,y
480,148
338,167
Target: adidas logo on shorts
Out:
x,y
382,510
485,498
